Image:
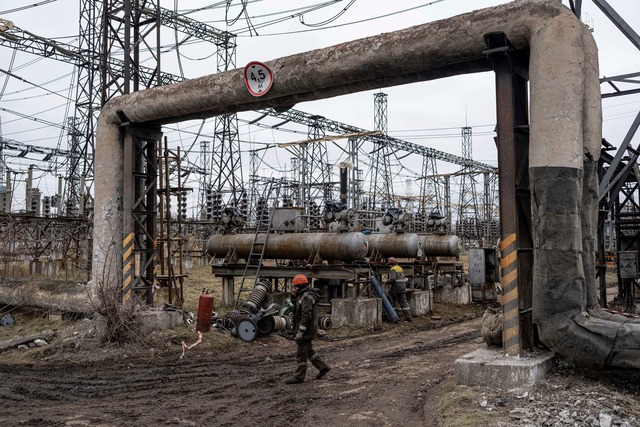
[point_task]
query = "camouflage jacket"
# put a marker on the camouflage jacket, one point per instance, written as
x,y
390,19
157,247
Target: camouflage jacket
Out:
x,y
305,314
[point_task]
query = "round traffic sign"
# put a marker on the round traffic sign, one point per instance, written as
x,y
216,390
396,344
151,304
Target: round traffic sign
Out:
x,y
258,78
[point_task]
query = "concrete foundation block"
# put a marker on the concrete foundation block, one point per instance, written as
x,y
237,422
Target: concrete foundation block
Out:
x,y
356,312
453,294
149,321
156,320
420,302
489,368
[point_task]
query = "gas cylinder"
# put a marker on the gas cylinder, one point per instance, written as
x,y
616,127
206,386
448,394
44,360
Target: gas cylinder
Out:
x,y
205,310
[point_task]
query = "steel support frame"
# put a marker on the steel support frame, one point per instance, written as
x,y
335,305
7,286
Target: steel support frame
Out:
x,y
516,244
140,212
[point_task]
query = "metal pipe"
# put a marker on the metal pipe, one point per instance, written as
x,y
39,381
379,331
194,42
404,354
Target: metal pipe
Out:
x,y
386,304
402,245
319,246
440,245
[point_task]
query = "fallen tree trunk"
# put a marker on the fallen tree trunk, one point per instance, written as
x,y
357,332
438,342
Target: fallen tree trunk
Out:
x,y
47,294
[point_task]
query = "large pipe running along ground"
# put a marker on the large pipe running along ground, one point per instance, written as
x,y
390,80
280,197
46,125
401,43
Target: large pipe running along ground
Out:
x,y
565,137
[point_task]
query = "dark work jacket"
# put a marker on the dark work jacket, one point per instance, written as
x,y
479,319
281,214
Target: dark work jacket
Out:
x,y
397,282
305,314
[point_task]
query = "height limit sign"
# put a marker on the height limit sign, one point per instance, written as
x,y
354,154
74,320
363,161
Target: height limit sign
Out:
x,y
258,78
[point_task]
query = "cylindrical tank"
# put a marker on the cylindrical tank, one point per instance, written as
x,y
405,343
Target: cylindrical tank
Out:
x,y
205,312
327,246
401,245
440,245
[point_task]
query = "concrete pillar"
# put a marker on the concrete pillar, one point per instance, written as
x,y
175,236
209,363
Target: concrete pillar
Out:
x,y
420,302
228,292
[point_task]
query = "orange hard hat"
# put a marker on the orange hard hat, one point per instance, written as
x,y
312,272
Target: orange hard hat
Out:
x,y
392,260
299,279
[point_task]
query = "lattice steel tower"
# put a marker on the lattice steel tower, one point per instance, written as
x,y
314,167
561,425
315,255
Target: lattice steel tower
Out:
x,y
226,162
381,187
113,33
467,225
430,200
317,175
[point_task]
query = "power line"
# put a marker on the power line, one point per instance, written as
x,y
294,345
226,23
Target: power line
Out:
x,y
342,25
35,119
10,74
18,9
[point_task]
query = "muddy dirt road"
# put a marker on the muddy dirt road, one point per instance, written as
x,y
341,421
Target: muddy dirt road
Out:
x,y
389,378
402,375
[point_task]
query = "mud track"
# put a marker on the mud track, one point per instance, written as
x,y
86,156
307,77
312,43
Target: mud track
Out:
x,y
385,379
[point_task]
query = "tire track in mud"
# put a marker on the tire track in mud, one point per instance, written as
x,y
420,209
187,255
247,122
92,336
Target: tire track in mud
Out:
x,y
422,348
371,377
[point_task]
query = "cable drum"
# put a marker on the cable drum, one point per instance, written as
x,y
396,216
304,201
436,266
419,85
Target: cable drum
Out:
x,y
324,322
280,323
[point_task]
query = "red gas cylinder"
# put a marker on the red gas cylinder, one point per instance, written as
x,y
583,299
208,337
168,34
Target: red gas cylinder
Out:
x,y
205,310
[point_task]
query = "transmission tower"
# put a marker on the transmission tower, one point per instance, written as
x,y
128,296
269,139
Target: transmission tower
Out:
x,y
467,227
317,175
74,191
357,187
381,189
204,183
430,201
112,35
226,163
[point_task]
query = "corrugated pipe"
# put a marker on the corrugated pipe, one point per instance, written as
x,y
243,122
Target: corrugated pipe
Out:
x,y
257,296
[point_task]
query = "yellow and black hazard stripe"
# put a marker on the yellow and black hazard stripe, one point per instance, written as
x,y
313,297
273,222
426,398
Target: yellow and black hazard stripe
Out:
x,y
128,267
509,300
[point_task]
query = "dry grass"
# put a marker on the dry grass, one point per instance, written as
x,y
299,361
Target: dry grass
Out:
x,y
457,397
28,322
201,277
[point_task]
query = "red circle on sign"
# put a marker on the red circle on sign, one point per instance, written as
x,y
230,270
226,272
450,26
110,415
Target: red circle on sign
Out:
x,y
258,78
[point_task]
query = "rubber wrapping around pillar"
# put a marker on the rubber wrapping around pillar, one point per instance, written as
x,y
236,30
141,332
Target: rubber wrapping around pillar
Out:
x,y
386,304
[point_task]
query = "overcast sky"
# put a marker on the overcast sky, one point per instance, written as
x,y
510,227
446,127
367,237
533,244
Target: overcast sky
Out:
x,y
429,113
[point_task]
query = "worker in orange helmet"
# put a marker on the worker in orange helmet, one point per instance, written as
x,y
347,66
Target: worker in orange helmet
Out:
x,y
305,328
398,287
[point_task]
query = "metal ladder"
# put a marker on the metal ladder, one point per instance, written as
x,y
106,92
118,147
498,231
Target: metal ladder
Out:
x,y
256,254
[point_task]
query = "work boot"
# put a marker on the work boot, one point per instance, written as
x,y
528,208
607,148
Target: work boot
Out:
x,y
294,380
322,373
